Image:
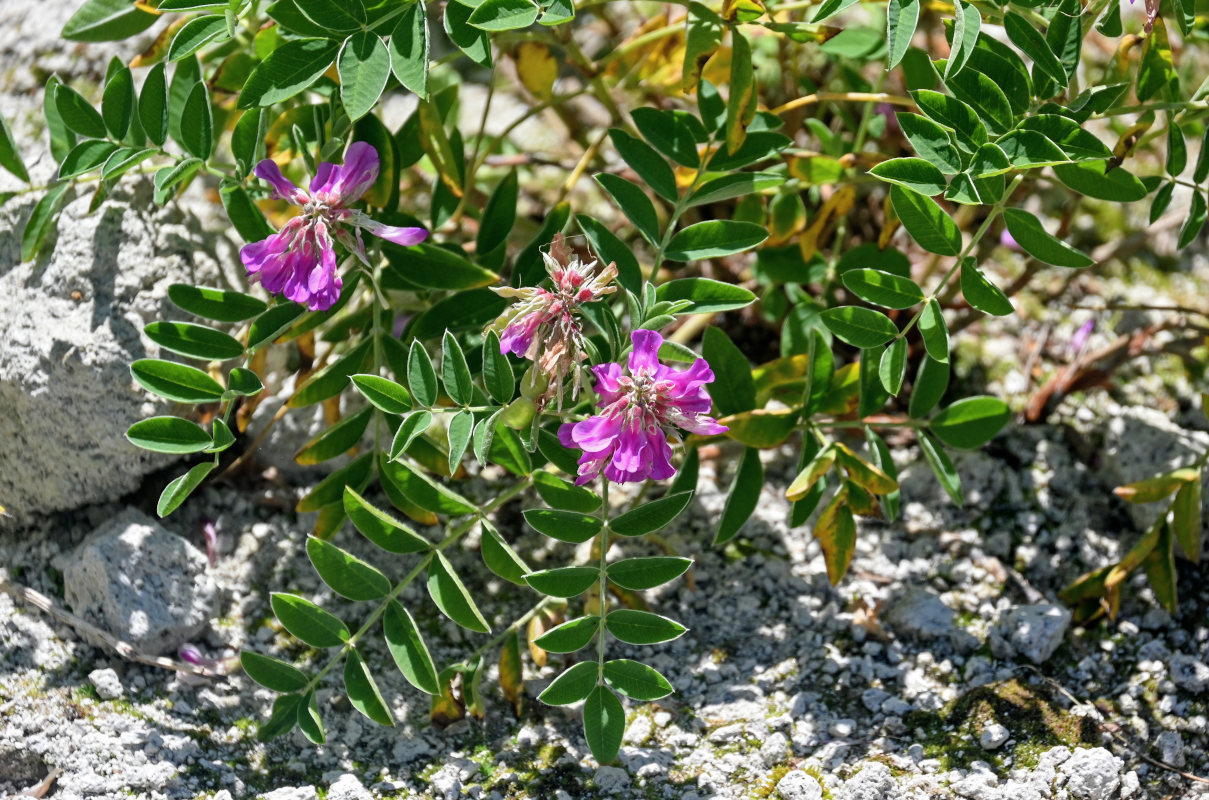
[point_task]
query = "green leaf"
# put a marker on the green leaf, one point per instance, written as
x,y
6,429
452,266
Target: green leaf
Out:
x,y
107,21
455,374
282,719
499,215
244,382
830,8
1096,179
308,719
635,679
565,526
409,46
42,220
363,691
652,516
714,238
381,528
248,220
941,466
1034,240
412,427
331,489
931,142
504,15
932,329
1162,199
287,71
176,381
741,102
408,650
61,137
556,12
971,422
216,304
196,341
78,114
669,133
634,203
461,426
569,637
168,435
733,389
640,574
705,296
427,494
742,498
85,157
967,21
913,173
421,377
498,376
117,103
926,221
308,622
883,288
179,489
347,575
364,68
196,34
931,382
123,159
649,165
892,366
499,556
383,393
609,248
726,187
340,16
604,724
1033,44
1029,149
573,685
986,98
1177,150
432,267
703,34
272,673
642,627
872,394
859,326
953,114
1195,221
980,293
563,581
472,41
271,324
902,16
563,494
451,597
167,178
332,379
1186,518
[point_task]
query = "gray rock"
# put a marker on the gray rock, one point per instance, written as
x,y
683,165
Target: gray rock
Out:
x,y
1033,631
873,782
1092,774
920,614
140,582
798,785
348,787
107,683
612,780
21,766
1171,748
71,323
1189,673
775,749
292,793
993,737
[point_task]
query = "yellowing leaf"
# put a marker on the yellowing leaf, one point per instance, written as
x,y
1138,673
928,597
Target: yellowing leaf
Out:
x,y
1156,488
810,475
863,473
836,532
537,69
761,427
512,682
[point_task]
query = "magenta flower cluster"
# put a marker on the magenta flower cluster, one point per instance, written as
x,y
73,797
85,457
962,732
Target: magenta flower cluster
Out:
x,y
299,261
640,408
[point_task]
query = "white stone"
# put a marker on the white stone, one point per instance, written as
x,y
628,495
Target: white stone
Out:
x,y
1189,673
993,736
1033,631
348,787
1092,774
873,782
612,780
292,793
798,785
140,582
107,683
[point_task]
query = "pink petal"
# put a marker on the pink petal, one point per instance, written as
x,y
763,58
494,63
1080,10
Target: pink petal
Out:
x,y
283,188
359,172
401,236
323,177
645,355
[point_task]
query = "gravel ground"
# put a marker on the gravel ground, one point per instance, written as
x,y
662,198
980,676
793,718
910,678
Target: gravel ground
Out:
x,y
916,677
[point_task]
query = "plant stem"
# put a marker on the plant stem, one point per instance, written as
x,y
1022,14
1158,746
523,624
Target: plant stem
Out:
x,y
603,586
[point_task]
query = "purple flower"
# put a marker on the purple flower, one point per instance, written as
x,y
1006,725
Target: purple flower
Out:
x,y
543,325
641,409
299,261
